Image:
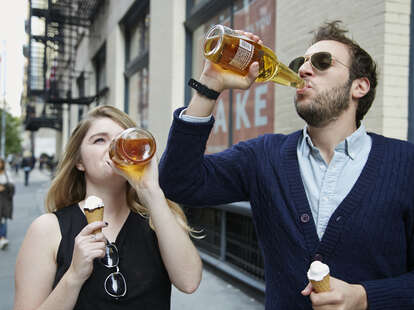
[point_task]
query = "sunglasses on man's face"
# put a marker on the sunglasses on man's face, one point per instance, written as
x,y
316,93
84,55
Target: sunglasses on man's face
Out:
x,y
320,61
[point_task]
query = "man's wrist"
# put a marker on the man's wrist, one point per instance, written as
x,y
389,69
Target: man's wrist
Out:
x,y
194,119
204,90
211,82
362,297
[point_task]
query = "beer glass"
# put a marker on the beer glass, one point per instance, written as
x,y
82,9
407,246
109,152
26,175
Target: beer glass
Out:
x,y
132,149
235,52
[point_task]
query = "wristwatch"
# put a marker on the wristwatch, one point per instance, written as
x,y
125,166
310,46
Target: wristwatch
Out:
x,y
203,90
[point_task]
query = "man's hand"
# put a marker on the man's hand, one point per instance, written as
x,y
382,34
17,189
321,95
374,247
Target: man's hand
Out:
x,y
342,296
219,79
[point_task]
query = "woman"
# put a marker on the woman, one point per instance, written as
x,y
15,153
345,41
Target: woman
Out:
x,y
6,203
152,248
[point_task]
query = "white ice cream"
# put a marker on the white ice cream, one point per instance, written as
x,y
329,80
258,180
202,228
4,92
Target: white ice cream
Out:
x,y
93,202
318,271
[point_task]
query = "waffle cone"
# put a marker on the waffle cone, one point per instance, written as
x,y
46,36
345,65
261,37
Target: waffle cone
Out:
x,y
321,286
94,215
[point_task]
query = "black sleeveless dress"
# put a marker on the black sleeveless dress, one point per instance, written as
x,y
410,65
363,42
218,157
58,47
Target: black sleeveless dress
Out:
x,y
148,284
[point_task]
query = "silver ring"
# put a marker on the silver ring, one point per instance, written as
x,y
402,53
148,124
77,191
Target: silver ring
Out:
x,y
94,237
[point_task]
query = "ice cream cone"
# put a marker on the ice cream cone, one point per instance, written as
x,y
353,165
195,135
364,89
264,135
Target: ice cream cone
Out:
x,y
318,275
321,286
94,209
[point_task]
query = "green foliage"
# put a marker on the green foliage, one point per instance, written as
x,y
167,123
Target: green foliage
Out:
x,y
13,137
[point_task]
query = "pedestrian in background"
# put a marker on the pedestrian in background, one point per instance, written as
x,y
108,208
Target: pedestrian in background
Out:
x,y
28,162
16,163
6,203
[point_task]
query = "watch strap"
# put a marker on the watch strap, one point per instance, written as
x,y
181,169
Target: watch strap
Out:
x,y
203,90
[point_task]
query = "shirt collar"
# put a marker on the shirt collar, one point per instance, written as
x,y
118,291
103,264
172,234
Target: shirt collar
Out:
x,y
307,144
356,141
351,146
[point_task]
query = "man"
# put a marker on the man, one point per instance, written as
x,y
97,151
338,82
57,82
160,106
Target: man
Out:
x,y
330,192
28,163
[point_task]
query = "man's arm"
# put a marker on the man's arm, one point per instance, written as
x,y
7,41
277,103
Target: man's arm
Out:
x,y
386,292
398,292
186,175
391,293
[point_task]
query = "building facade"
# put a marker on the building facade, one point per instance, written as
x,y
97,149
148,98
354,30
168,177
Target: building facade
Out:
x,y
136,48
138,55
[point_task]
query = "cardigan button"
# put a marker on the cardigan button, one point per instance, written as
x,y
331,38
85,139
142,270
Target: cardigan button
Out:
x,y
304,218
318,257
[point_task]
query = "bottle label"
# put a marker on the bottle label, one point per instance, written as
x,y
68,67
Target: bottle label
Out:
x,y
243,55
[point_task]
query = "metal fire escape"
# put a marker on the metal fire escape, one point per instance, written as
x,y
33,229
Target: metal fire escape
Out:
x,y
55,28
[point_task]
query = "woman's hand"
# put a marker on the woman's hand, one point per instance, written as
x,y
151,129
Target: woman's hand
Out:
x,y
88,246
149,178
145,183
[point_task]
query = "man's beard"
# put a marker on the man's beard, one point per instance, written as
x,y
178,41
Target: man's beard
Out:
x,y
326,106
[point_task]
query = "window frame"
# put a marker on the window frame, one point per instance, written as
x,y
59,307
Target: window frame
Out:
x,y
99,63
135,15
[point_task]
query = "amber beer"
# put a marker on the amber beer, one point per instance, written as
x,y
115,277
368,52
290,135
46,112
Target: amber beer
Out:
x,y
235,52
132,150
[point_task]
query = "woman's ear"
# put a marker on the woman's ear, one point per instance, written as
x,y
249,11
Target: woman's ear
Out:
x,y
80,166
360,87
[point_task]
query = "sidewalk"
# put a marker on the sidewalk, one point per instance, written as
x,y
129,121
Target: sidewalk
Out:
x,y
28,204
214,292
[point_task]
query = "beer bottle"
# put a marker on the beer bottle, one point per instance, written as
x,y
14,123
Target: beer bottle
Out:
x,y
235,52
132,149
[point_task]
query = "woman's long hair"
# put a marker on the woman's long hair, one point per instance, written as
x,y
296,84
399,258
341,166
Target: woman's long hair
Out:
x,y
69,186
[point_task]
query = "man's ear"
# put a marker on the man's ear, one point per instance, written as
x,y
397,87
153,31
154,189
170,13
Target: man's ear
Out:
x,y
360,87
80,166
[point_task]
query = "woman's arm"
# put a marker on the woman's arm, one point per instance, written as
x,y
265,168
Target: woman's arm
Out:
x,y
36,266
178,253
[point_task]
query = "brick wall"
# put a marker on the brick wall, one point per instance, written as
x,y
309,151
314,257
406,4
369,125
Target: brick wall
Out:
x,y
395,71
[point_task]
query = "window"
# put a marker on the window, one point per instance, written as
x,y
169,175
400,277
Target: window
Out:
x,y
36,66
99,62
136,24
239,115
80,83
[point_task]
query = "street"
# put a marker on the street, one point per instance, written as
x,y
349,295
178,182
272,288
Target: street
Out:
x,y
215,292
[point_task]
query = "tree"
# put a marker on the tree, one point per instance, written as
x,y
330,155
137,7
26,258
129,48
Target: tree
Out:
x,y
13,138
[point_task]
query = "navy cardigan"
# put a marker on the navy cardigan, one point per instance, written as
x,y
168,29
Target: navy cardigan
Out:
x,y
369,239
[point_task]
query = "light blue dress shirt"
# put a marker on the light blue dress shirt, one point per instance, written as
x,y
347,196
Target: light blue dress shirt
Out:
x,y
327,185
